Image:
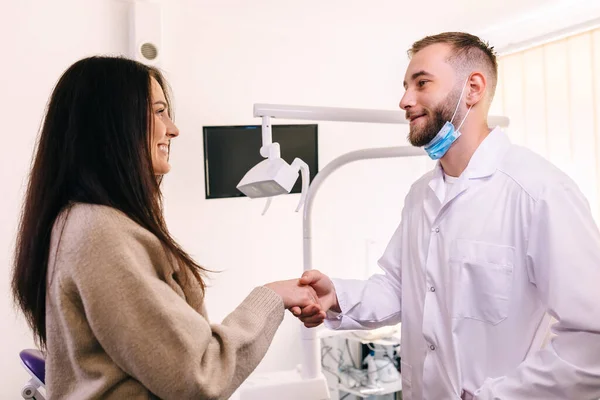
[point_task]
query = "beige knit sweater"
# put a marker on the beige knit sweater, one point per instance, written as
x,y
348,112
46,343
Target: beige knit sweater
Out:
x,y
120,326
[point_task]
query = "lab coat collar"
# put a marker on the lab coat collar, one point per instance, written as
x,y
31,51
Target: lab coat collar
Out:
x,y
483,163
489,154
486,158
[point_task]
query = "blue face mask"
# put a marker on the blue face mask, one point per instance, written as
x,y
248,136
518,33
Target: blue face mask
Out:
x,y
440,144
442,141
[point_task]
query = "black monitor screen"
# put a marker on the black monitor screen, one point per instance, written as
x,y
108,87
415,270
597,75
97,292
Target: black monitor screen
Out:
x,y
231,151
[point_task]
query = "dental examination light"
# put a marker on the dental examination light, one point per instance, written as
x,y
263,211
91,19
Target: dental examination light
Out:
x,y
307,382
273,176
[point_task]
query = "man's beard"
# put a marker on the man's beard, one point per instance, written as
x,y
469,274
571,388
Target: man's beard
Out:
x,y
421,136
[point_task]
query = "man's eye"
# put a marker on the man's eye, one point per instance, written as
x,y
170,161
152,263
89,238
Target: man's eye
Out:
x,y
422,82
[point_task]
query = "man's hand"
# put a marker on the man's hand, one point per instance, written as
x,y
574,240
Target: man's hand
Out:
x,y
295,294
324,289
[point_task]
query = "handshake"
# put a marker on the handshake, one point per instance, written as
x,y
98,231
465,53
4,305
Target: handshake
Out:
x,y
309,297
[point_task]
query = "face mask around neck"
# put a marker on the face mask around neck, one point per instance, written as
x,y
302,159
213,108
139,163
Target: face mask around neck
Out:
x,y
440,144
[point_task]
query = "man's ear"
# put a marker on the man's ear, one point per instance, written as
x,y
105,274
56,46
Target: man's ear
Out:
x,y
476,88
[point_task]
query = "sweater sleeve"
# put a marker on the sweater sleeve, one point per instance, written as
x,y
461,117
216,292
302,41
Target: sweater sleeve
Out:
x,y
150,331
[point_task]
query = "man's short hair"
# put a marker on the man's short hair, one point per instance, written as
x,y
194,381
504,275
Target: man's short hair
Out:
x,y
469,52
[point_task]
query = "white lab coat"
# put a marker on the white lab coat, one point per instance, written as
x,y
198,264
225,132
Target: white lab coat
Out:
x,y
473,275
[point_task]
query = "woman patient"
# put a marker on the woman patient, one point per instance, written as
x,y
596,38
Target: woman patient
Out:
x,y
115,302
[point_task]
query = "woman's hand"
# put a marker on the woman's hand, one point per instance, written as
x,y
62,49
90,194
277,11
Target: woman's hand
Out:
x,y
294,294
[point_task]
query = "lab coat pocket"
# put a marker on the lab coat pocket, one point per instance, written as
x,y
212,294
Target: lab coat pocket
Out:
x,y
484,274
406,374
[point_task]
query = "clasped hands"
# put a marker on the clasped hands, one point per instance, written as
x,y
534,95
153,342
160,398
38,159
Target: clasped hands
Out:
x,y
309,297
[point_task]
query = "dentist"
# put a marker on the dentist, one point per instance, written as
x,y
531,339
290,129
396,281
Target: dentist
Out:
x,y
496,249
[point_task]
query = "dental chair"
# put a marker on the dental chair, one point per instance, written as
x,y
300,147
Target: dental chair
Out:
x,y
34,363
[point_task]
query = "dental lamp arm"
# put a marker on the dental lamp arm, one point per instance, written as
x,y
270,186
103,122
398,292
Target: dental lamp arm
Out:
x,y
304,170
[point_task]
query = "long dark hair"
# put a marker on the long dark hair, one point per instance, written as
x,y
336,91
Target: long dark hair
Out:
x,y
94,147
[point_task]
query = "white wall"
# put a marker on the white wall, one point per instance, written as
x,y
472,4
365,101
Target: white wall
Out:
x,y
220,58
262,55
